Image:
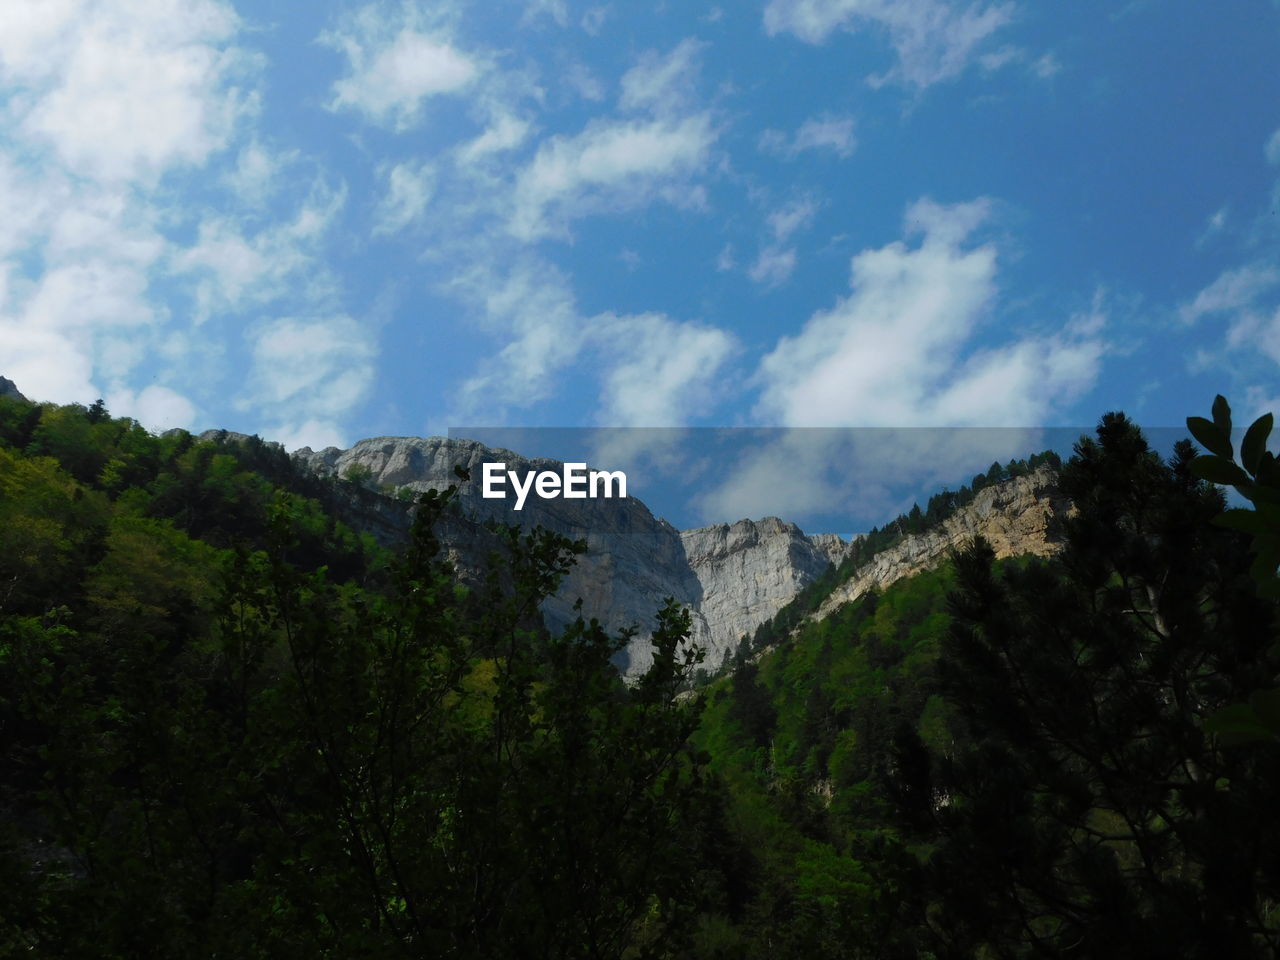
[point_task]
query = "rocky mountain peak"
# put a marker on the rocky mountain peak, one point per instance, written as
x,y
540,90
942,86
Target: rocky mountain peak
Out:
x,y
10,389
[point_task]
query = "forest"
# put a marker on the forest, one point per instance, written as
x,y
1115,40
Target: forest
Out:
x,y
233,724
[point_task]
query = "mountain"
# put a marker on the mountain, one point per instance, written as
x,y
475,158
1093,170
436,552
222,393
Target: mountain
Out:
x,y
748,571
9,389
1015,516
733,577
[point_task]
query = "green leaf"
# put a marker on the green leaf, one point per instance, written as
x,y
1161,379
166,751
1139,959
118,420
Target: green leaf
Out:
x,y
1222,414
1210,437
1218,470
1255,443
1237,724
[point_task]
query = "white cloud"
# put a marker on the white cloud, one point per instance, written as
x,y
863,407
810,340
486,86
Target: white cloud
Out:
x,y
899,349
554,9
934,40
506,132
725,260
773,266
662,84
1272,150
788,219
853,470
1241,297
1214,225
776,261
409,187
155,407
396,61
122,90
316,434
1232,290
1046,65
666,369
609,166
654,371
47,364
234,268
307,372
534,309
825,132
256,174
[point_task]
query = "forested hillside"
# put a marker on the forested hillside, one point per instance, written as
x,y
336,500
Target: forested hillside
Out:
x,y
233,726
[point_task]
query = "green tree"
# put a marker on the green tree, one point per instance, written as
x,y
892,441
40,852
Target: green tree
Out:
x,y
1089,813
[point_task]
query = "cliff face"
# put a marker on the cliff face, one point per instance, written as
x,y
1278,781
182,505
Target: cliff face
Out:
x,y
733,577
9,389
633,559
748,571
1014,516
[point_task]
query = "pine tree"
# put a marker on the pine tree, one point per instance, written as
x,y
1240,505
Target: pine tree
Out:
x,y
1091,814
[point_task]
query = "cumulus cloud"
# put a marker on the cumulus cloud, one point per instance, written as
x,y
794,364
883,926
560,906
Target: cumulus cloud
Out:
x,y
665,369
610,166
900,349
817,134
306,372
235,266
934,40
124,91
155,407
396,61
533,308
653,370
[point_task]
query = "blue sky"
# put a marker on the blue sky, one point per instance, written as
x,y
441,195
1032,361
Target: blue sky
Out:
x,y
323,221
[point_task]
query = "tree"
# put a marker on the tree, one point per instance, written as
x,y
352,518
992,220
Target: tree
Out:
x,y
1089,813
320,770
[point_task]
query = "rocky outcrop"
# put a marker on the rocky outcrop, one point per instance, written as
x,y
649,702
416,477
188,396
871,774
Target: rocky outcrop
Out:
x,y
733,577
633,560
1013,516
748,571
9,389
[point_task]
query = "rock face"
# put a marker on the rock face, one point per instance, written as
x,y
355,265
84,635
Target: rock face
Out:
x,y
748,571
1014,516
633,559
9,389
733,577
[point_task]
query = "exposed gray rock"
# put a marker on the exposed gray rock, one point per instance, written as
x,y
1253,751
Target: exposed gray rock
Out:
x,y
633,561
733,577
749,571
9,389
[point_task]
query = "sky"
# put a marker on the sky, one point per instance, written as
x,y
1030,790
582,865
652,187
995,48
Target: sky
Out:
x,y
323,221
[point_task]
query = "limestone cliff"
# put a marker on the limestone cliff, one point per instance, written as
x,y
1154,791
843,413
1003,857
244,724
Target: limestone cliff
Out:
x,y
633,561
733,577
749,571
1014,516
